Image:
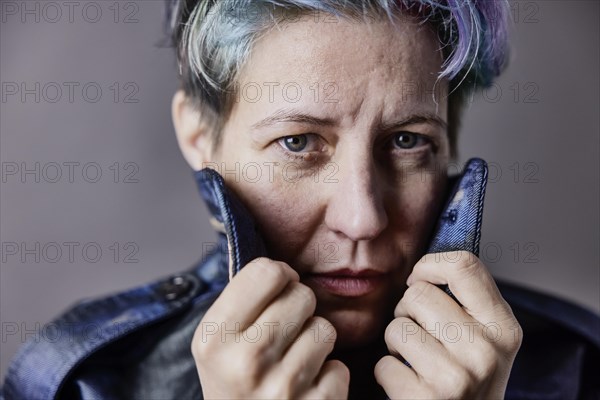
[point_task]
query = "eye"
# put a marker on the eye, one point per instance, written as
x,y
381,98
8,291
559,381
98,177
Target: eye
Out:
x,y
295,143
302,147
408,140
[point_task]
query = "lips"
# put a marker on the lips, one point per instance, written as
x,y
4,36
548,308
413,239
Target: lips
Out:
x,y
347,282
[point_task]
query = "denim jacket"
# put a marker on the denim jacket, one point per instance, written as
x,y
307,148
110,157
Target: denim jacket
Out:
x,y
136,344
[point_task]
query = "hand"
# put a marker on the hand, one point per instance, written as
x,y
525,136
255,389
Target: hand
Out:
x,y
454,351
260,339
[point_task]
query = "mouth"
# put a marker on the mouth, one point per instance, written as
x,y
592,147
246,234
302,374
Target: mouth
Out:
x,y
346,282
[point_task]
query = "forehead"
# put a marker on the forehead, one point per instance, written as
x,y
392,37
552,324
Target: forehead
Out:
x,y
391,66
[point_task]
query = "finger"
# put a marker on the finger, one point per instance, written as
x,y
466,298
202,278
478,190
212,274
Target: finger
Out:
x,y
333,382
306,355
469,342
398,380
406,338
435,312
468,279
249,292
281,322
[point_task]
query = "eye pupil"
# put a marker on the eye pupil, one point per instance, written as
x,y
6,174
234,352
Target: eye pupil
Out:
x,y
406,140
295,143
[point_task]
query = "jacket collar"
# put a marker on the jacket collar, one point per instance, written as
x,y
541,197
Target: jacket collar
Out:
x,y
239,239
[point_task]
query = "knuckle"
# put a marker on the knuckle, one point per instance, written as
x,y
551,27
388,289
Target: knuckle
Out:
x,y
319,321
512,333
340,389
394,329
246,369
292,377
485,362
399,309
202,345
268,272
260,260
382,366
325,329
416,293
342,370
200,350
305,295
467,263
284,390
501,308
514,340
518,335
425,258
457,382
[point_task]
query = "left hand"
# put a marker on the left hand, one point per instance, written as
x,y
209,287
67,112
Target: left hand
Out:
x,y
454,351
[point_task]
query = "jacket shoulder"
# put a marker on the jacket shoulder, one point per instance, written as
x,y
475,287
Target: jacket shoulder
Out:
x,y
42,365
560,352
535,305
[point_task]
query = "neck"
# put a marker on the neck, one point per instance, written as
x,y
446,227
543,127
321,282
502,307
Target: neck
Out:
x,y
361,363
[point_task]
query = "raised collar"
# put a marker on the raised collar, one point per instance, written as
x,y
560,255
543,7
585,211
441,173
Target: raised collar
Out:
x,y
239,238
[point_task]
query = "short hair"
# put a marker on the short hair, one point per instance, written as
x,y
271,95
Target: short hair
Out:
x,y
213,39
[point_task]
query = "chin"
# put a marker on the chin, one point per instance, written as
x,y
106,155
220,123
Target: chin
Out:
x,y
358,321
355,328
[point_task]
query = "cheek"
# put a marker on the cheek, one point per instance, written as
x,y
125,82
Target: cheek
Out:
x,y
419,202
413,212
286,213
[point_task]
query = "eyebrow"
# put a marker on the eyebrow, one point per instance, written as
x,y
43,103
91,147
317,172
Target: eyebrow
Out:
x,y
421,118
285,115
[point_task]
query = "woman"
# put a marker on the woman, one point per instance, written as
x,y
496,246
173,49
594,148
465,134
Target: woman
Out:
x,y
333,123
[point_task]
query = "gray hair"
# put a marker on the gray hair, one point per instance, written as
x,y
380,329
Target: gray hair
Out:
x,y
214,38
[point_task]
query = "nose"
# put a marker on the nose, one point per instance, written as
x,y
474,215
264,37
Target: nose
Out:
x,y
355,207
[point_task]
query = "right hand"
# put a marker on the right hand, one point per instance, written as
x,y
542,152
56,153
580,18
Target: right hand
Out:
x,y
260,339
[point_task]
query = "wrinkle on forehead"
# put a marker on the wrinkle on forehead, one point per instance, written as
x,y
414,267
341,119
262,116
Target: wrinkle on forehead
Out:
x,y
374,62
307,47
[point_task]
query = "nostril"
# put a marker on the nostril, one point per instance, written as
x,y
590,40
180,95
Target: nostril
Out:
x,y
363,225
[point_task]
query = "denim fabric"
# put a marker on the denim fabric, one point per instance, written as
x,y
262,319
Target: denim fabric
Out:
x,y
459,225
240,232
45,361
53,359
141,338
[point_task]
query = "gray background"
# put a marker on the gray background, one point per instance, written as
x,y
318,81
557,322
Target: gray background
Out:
x,y
538,128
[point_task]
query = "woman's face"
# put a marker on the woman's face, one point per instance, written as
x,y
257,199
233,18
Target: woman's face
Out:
x,y
340,151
